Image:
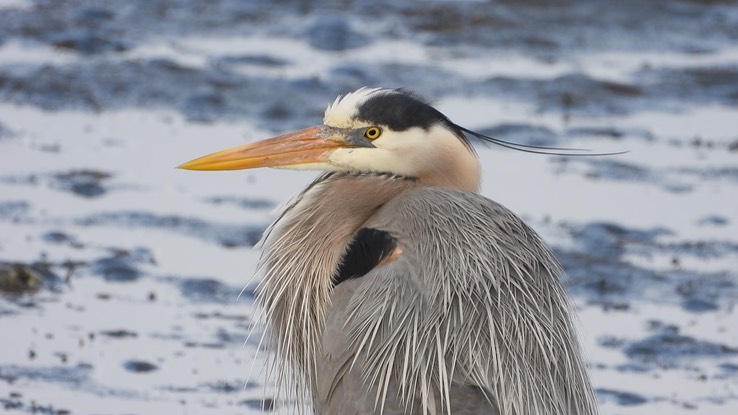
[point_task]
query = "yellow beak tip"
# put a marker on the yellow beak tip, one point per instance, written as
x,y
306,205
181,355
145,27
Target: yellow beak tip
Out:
x,y
201,164
186,166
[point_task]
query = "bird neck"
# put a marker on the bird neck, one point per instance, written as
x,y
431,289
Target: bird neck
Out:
x,y
301,254
455,168
445,160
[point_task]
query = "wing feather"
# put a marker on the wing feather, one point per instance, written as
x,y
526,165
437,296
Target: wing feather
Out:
x,y
472,308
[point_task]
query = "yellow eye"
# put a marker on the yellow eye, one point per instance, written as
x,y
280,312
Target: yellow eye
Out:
x,y
373,133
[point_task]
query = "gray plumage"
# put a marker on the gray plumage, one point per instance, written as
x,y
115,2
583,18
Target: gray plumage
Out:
x,y
391,287
471,319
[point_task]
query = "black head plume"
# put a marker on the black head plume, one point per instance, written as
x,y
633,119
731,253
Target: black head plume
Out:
x,y
552,151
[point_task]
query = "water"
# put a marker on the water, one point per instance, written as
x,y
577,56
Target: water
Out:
x,y
121,275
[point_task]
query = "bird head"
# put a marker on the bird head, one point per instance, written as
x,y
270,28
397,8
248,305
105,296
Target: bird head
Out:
x,y
371,130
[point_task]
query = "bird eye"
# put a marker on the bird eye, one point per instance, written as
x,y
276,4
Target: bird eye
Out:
x,y
373,133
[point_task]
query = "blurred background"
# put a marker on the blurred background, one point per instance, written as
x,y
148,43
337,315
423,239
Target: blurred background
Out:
x,y
120,275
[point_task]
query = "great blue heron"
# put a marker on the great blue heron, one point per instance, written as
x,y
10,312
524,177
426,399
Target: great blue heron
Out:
x,y
391,287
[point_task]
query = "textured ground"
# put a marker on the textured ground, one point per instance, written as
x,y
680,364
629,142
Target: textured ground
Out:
x,y
120,276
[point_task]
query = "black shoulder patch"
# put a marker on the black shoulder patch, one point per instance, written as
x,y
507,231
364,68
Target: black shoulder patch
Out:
x,y
367,250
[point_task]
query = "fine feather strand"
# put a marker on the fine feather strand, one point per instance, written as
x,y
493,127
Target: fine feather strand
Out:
x,y
500,321
552,151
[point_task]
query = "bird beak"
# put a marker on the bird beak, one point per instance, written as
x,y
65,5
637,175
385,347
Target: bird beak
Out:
x,y
311,145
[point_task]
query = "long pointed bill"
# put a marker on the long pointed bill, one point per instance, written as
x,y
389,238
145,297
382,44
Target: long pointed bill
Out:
x,y
311,145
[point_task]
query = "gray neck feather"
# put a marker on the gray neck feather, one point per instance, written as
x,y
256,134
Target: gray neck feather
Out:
x,y
301,254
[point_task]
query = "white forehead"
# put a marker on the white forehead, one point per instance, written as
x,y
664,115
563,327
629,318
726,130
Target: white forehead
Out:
x,y
342,113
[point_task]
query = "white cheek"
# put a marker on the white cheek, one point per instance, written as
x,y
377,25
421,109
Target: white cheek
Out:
x,y
414,153
412,150
367,159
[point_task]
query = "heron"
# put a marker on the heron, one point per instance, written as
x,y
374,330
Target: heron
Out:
x,y
391,286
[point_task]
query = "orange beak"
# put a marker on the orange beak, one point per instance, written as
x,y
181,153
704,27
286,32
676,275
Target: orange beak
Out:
x,y
311,145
